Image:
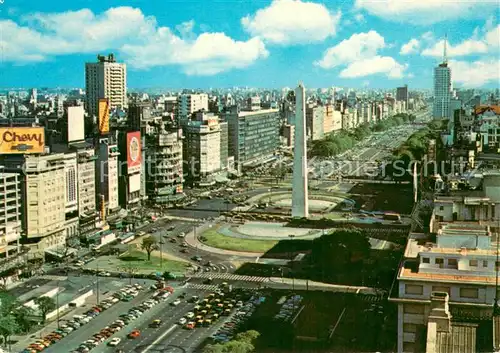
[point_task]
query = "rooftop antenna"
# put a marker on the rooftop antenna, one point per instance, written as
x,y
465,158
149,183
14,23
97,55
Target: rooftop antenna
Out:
x,y
445,57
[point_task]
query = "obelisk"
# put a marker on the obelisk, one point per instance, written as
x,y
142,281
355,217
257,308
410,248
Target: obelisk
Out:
x,y
300,204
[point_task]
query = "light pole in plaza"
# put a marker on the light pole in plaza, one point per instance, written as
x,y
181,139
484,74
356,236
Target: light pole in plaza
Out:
x,y
161,253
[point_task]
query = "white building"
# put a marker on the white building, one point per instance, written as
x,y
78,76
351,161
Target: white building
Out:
x,y
86,174
105,79
202,146
10,212
189,103
71,195
459,261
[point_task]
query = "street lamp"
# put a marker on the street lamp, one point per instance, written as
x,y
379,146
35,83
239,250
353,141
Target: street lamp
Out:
x,y
161,253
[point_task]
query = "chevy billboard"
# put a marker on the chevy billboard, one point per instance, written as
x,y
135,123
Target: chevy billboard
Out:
x,y
22,140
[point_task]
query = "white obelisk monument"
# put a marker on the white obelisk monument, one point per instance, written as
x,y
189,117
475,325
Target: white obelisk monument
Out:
x,y
300,204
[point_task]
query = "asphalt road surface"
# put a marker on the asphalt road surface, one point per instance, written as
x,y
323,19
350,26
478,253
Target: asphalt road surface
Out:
x,y
170,336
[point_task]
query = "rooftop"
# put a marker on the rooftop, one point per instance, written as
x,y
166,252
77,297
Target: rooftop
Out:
x,y
245,113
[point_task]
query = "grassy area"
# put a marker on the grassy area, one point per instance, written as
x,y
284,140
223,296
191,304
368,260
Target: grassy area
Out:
x,y
138,260
213,238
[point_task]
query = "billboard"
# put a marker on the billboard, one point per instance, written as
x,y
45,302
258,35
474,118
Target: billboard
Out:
x,y
22,140
103,120
76,124
134,154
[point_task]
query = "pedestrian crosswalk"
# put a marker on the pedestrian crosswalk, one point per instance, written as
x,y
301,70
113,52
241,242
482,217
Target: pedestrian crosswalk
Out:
x,y
211,287
232,277
54,277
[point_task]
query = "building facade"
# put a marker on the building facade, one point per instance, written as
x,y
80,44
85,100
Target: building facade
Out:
x,y
442,91
164,177
402,95
315,120
10,213
253,135
86,173
202,147
105,79
190,103
107,174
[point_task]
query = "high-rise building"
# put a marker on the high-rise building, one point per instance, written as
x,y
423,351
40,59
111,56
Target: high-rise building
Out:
x,y
43,199
105,79
10,213
442,88
254,136
130,169
107,174
202,147
402,95
164,177
86,188
187,104
315,120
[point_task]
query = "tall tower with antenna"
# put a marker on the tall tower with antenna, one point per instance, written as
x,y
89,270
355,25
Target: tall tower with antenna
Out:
x,y
442,86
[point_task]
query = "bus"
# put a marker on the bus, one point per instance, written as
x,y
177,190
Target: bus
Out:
x,y
392,217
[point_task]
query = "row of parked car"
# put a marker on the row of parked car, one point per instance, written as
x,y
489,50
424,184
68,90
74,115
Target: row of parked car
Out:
x,y
290,306
79,320
227,331
123,320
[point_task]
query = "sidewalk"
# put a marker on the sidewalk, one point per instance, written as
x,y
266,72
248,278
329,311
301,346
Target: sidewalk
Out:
x,y
24,341
304,284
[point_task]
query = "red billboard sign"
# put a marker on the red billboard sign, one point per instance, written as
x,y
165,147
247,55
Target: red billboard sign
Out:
x,y
134,153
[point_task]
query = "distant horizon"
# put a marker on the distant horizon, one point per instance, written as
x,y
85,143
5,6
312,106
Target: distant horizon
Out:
x,y
269,43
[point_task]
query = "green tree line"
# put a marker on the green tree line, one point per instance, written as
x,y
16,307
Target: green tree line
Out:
x,y
337,143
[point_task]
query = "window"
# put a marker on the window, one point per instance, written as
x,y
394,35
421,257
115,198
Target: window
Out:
x,y
439,261
469,293
452,262
485,263
414,289
441,208
442,289
426,260
413,309
411,328
473,263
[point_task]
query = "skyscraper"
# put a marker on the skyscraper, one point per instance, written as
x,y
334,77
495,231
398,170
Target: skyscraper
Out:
x,y
442,88
105,79
402,95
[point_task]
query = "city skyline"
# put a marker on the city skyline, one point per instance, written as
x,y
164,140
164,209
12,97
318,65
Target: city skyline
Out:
x,y
356,44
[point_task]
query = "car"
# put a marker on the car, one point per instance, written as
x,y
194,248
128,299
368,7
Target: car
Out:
x,y
175,302
190,315
134,334
173,240
181,235
156,323
182,321
114,342
184,251
171,228
189,325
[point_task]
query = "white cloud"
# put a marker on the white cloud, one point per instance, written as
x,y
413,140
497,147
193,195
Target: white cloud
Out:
x,y
475,74
359,54
292,22
359,18
358,46
136,37
375,65
209,54
472,46
427,11
467,47
411,47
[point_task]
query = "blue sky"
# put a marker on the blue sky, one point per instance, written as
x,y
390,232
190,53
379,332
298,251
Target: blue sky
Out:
x,y
203,44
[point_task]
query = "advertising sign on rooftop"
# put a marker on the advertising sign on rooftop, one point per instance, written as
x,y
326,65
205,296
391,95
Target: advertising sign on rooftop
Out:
x,y
22,140
103,120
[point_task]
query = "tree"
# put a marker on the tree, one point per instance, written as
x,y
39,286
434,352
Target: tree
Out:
x,y
8,327
149,244
45,305
22,315
247,336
